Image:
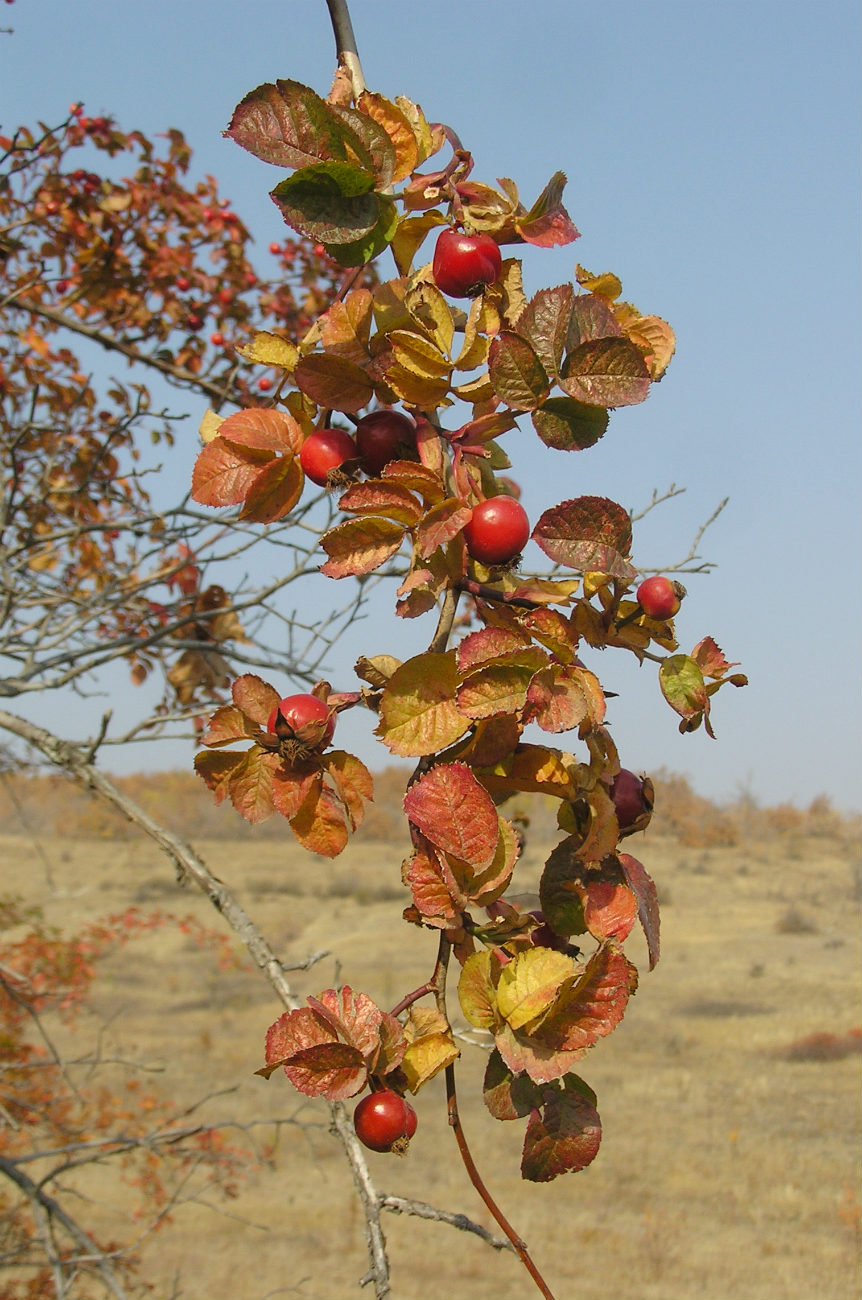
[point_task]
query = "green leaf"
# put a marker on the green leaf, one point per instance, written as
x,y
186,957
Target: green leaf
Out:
x,y
361,251
332,202
567,425
684,688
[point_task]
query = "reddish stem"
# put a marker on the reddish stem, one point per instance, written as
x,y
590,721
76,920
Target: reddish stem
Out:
x,y
476,1180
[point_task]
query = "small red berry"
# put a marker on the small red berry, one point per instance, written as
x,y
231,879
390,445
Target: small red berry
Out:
x,y
208,214
250,278
498,530
275,247
217,339
264,383
193,321
225,296
62,286
464,264
384,1121
658,597
383,436
305,718
325,450
184,284
319,250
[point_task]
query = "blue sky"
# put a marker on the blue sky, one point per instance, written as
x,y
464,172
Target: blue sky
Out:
x,y
712,151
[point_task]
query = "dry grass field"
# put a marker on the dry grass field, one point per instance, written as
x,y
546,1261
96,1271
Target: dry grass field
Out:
x,y
730,1162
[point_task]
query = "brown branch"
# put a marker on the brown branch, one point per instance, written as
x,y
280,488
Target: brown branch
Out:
x,y
405,1205
189,866
48,1205
113,344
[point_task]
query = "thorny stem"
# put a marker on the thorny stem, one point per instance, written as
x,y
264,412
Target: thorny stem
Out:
x,y
476,1180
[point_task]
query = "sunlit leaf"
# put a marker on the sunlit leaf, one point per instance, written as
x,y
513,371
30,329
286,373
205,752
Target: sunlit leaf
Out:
x,y
605,372
454,812
588,533
360,546
418,714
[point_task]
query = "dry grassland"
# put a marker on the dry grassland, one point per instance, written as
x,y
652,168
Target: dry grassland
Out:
x,y
730,1163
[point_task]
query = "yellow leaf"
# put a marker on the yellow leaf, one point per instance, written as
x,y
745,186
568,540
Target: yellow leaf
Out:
x,y
397,126
430,1046
419,354
529,984
606,285
410,235
430,309
416,390
656,340
210,425
269,349
428,139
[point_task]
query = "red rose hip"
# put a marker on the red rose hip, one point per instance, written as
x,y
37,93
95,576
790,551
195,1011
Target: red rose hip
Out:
x,y
658,597
465,264
383,436
324,451
633,799
497,531
305,718
384,1121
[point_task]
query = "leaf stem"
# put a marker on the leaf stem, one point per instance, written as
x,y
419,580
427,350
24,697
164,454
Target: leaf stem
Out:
x,y
476,1180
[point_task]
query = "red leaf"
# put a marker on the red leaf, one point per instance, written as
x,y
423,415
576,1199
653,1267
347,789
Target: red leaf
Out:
x,y
432,897
588,533
251,786
217,770
274,492
455,812
609,909
564,1138
378,497
254,697
508,1095
647,898
440,525
334,382
593,1004
606,372
228,724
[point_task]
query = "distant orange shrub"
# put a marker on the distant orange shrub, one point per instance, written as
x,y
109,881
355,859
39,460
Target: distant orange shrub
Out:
x,y
53,805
